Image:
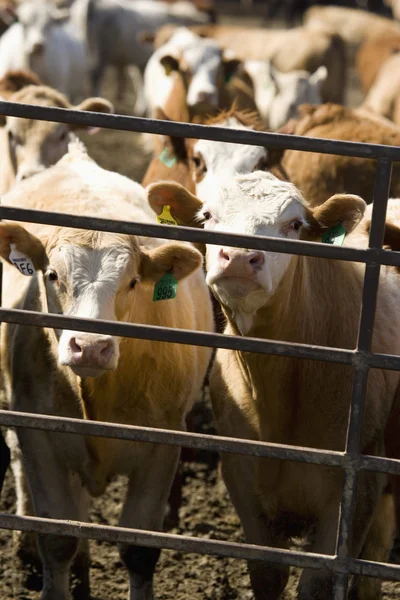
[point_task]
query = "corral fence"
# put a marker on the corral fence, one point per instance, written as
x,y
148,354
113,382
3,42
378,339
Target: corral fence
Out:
x,y
341,564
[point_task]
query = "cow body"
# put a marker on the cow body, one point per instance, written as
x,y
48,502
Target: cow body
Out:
x,y
113,29
286,400
373,54
46,43
321,175
383,96
75,374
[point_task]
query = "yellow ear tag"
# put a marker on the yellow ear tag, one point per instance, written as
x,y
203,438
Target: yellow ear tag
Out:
x,y
168,70
21,261
166,218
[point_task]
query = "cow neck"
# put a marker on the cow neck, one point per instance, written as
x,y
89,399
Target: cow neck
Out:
x,y
317,302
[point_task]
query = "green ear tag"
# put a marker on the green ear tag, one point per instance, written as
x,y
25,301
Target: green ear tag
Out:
x,y
166,218
165,288
334,235
168,159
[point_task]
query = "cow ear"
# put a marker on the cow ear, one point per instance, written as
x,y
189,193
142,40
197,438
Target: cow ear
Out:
x,y
176,258
100,105
170,63
319,76
184,205
17,238
344,209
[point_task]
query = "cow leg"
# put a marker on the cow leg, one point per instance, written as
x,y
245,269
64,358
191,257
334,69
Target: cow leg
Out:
x,y
53,496
140,106
96,78
376,548
317,584
267,580
144,508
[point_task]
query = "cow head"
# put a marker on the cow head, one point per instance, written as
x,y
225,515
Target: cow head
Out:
x,y
96,276
200,68
245,280
36,145
210,161
36,19
278,94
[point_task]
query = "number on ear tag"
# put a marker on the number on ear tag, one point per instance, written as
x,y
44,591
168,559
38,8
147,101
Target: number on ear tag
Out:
x,y
166,218
165,288
21,262
168,159
335,235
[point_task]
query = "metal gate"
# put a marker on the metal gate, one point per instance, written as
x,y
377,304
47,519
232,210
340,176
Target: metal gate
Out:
x,y
341,564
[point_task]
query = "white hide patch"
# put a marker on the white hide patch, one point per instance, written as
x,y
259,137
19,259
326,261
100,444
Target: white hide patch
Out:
x,y
224,160
92,278
253,204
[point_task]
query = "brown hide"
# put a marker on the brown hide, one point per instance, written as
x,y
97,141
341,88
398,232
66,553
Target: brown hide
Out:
x,y
321,175
371,56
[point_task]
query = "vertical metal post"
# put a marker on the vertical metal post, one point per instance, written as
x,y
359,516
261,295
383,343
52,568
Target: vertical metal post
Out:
x,y
369,297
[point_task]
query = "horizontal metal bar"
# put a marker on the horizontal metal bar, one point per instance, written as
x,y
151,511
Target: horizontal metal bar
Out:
x,y
211,443
176,336
196,338
188,234
206,132
196,545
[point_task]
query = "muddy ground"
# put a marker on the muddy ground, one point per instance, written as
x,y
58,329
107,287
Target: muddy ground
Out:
x,y
206,509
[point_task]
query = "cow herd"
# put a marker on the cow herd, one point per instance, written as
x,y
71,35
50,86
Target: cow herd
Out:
x,y
185,68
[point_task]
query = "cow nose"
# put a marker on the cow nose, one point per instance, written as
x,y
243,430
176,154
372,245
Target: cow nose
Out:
x,y
235,257
37,47
92,350
206,97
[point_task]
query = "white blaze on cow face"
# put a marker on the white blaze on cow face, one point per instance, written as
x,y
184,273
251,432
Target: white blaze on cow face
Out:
x,y
203,60
254,204
87,282
213,162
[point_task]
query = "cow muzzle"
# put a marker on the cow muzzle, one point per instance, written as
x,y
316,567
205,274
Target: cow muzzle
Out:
x,y
88,354
236,271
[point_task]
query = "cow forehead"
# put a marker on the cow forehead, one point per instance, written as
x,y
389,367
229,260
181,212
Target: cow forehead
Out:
x,y
202,54
256,199
240,156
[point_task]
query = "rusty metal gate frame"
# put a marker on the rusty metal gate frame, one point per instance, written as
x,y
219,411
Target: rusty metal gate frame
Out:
x,y
362,359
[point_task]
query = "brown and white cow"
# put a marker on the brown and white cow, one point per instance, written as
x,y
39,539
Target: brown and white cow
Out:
x,y
28,146
287,400
102,377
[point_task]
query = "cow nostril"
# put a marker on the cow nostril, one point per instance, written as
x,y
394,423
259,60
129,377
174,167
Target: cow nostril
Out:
x,y
75,348
106,351
257,259
224,255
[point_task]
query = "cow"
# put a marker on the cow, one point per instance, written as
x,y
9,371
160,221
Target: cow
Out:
x,y
278,94
114,28
83,375
30,146
288,49
383,96
188,70
319,176
198,164
285,400
373,54
44,41
353,25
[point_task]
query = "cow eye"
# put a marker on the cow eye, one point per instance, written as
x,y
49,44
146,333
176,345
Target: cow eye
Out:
x,y
132,284
52,275
63,135
295,225
207,215
196,161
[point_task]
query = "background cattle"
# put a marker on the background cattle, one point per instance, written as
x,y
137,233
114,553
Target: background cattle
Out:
x,y
372,56
29,146
45,41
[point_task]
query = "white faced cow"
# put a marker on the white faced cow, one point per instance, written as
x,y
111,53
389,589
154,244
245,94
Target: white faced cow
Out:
x,y
273,398
72,373
44,41
278,94
200,62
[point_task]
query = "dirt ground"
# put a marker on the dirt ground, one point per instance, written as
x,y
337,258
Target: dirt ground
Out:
x,y
206,509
